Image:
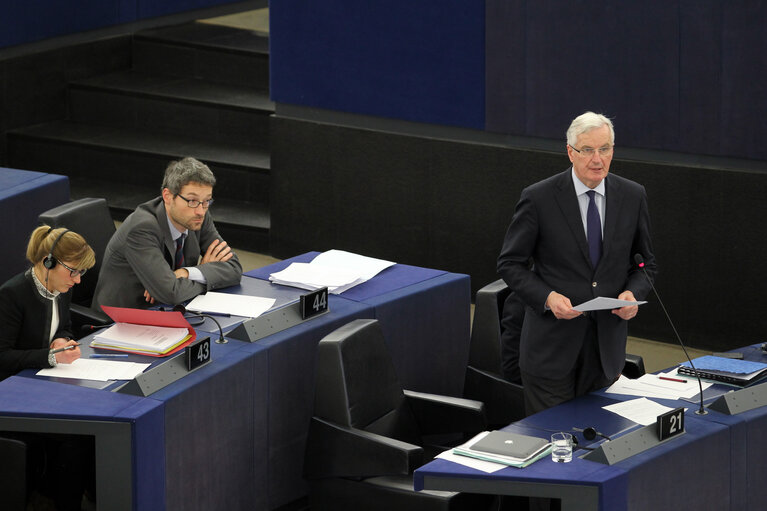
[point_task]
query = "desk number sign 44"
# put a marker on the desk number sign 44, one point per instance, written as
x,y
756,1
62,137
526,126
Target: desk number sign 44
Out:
x,y
314,303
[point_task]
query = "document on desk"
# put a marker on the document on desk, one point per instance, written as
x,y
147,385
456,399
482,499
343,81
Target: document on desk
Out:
x,y
663,385
140,338
226,303
602,303
335,269
306,276
365,267
100,370
642,410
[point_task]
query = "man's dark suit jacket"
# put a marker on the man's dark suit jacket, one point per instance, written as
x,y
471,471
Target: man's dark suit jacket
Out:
x,y
140,256
547,227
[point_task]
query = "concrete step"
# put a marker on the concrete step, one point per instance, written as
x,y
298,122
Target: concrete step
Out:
x,y
231,114
209,52
129,156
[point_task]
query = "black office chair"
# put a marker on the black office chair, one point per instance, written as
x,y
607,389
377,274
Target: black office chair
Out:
x,y
13,473
366,436
504,401
91,219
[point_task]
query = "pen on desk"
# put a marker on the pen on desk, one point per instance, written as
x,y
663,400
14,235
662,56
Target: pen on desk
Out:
x,y
70,347
107,355
679,380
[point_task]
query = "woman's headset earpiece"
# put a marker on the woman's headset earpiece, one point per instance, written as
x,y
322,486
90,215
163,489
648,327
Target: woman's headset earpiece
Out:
x,y
50,262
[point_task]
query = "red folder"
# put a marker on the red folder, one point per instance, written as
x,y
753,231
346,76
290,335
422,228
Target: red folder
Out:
x,y
173,319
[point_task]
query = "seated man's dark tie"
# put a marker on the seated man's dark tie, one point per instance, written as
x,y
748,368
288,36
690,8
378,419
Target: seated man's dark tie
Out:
x,y
179,259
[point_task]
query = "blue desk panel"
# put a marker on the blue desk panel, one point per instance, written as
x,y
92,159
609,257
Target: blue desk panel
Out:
x,y
130,464
23,196
216,432
688,472
425,315
427,324
292,357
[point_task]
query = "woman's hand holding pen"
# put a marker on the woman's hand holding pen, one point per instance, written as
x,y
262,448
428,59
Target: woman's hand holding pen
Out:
x,y
70,350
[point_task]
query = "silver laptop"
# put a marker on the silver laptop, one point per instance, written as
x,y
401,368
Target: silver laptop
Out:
x,y
510,444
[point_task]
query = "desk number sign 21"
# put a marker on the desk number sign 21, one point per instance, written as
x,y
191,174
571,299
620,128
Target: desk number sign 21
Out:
x,y
671,424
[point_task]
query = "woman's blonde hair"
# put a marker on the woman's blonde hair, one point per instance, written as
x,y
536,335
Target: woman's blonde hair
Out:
x,y
70,247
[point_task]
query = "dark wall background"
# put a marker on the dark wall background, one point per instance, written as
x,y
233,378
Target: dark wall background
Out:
x,y
446,204
680,75
33,20
415,60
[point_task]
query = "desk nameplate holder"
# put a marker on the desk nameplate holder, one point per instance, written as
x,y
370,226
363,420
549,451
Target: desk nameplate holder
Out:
x,y
158,377
270,323
628,445
742,400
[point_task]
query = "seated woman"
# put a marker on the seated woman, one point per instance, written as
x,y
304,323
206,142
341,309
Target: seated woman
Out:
x,y
34,325
34,305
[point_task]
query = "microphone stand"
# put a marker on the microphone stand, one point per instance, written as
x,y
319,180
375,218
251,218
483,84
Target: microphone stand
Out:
x,y
640,262
221,340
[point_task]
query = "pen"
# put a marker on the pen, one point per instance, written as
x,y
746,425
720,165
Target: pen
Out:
x,y
107,355
70,347
672,379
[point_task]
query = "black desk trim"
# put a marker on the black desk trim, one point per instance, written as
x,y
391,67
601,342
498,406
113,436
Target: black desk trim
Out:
x,y
114,447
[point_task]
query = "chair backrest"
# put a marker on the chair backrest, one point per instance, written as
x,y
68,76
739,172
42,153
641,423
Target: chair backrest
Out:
x,y
485,347
90,218
13,470
357,385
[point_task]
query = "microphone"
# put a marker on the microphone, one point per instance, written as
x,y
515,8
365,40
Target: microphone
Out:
x,y
639,260
591,433
180,308
86,329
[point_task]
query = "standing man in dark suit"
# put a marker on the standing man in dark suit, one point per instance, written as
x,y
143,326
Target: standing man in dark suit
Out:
x,y
155,255
580,229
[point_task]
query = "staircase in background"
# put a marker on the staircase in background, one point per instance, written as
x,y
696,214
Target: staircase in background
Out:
x,y
196,90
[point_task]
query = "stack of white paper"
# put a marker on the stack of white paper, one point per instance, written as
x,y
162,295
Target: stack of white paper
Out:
x,y
236,305
335,269
663,386
642,410
140,338
100,370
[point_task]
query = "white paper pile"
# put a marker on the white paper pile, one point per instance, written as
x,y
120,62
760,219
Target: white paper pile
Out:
x,y
100,370
335,269
664,386
140,338
225,303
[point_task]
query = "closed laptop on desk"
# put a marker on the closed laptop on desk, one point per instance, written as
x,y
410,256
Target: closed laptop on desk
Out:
x,y
510,444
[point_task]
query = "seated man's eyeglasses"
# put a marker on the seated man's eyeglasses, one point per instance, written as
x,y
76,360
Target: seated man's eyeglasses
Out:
x,y
589,151
193,203
72,272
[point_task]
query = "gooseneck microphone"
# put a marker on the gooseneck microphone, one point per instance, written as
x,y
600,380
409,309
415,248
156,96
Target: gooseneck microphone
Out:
x,y
221,340
639,260
86,329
